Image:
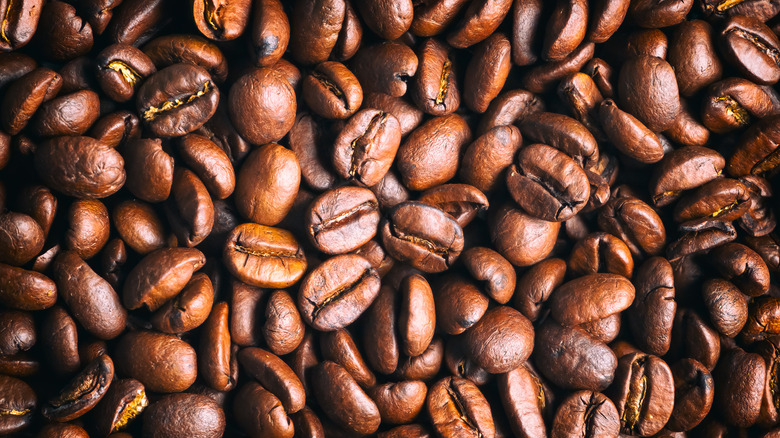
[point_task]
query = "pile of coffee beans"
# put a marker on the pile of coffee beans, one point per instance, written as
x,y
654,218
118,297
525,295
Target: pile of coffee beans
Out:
x,y
392,218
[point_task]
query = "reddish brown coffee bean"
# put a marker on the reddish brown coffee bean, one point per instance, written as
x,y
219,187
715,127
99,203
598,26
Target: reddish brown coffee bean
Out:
x,y
480,20
283,329
385,68
122,403
343,400
487,72
260,413
88,229
270,32
645,82
159,276
149,169
262,105
332,91
461,201
187,310
629,135
169,364
500,341
264,256
457,407
523,239
193,415
314,29
267,184
337,292
275,376
364,150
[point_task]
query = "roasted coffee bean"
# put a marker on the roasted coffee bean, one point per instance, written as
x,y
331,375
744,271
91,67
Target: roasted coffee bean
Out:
x,y
635,223
91,169
536,285
586,414
547,183
563,133
734,103
385,68
26,95
267,184
21,238
652,313
590,298
601,252
82,393
339,347
739,382
343,219
60,341
168,365
487,72
684,169
116,129
526,399
283,329
124,401
523,239
193,415
542,77
332,91
753,48
457,407
270,32
436,85
722,199
693,56
210,163
264,256
364,150
160,276
645,82
479,21
757,153
643,393
177,100
314,29
139,226
26,290
558,348
90,298
487,158
461,201
120,70
337,292
459,304
275,376
149,169
221,21
88,228
71,114
500,341
629,135
187,49
423,236
259,413
17,332
743,267
18,404
189,309
693,394
343,400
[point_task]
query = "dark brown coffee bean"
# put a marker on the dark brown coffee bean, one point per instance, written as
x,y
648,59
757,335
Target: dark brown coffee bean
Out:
x,y
139,226
337,292
652,313
159,276
82,393
72,114
408,115
385,68
399,402
343,400
314,29
687,131
526,37
586,414
90,298
423,236
500,341
26,290
26,95
739,382
177,100
310,142
91,170
63,34
62,430
21,238
436,85
655,14
88,228
601,252
193,415
18,404
17,332
590,298
431,19
753,48
275,376
461,201
693,56
743,267
187,49
270,32
246,303
643,393
149,169
480,20
693,394
283,329
762,312
487,72
214,358
264,256
757,153
267,184
210,163
120,70
388,20
684,169
645,82
342,219
364,150
636,223
523,239
459,304
565,30
259,413
458,408
168,365
494,271
569,358
339,347
116,129
122,403
527,401
189,309
547,183
332,91
564,134
543,77
536,285
629,135
221,21
60,341
734,103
